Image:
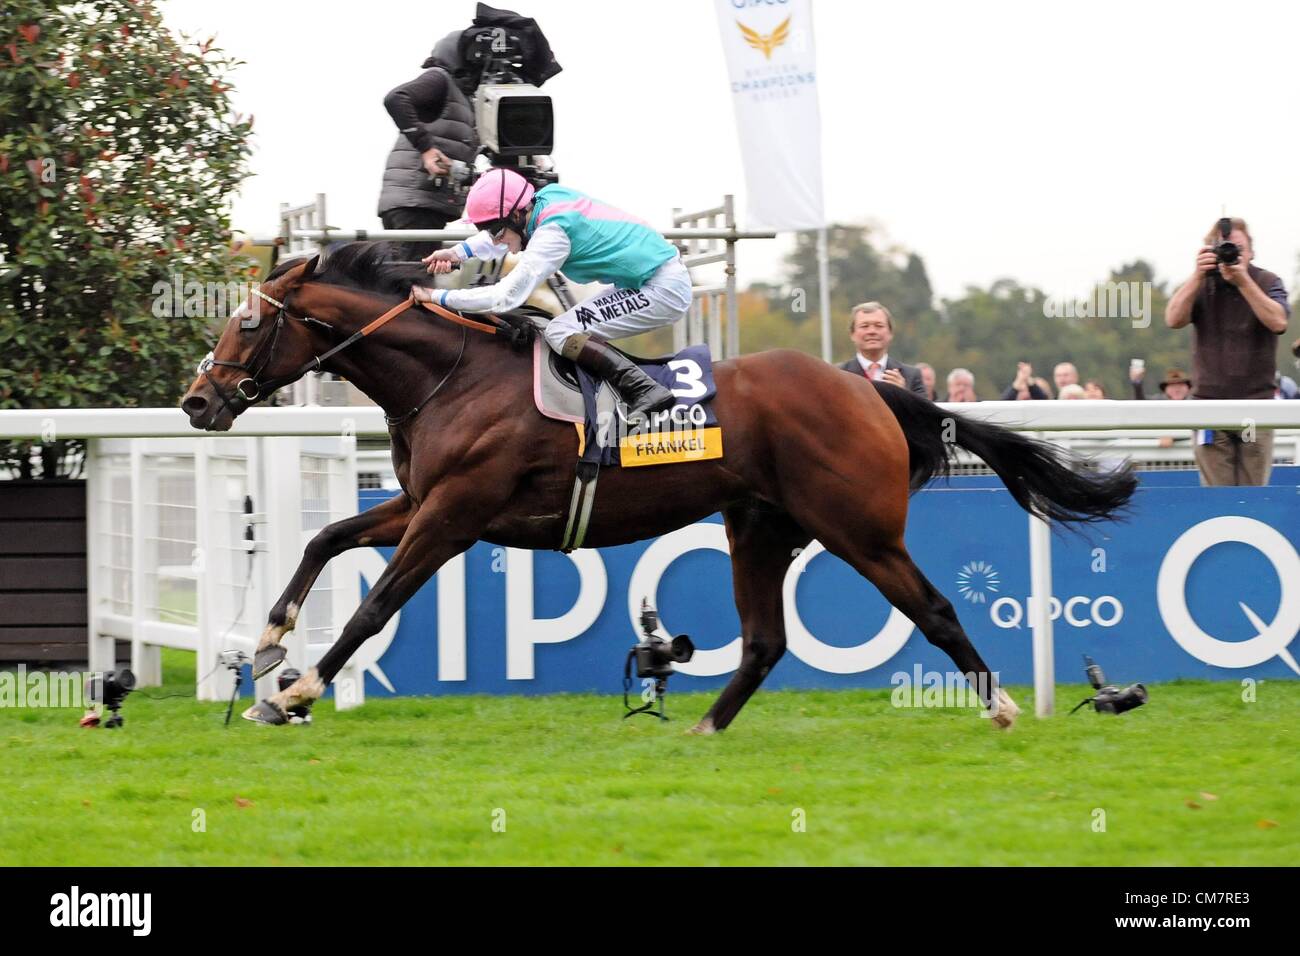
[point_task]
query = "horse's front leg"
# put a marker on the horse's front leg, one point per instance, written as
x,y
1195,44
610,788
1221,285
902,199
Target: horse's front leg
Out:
x,y
437,533
380,526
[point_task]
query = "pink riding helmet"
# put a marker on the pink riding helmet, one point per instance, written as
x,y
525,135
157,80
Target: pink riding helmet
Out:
x,y
496,194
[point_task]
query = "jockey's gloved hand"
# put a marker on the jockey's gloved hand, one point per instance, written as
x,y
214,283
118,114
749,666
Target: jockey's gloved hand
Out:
x,y
444,260
422,293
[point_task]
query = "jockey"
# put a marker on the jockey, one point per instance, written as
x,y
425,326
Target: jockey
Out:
x,y
560,229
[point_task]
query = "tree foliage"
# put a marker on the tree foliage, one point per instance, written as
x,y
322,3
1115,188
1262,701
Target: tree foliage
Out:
x,y
787,315
118,153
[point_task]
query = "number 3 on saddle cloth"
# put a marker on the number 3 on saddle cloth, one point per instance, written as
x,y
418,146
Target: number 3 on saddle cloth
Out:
x,y
687,432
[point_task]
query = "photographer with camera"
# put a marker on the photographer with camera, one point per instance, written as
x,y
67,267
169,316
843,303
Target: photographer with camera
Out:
x,y
436,124
1236,310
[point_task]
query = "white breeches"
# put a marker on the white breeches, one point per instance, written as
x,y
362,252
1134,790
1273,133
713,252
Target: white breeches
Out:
x,y
614,313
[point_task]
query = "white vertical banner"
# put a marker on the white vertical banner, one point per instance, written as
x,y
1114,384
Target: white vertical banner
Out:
x,y
772,65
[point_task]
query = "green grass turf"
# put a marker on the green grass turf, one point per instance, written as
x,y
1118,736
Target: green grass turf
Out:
x,y
417,781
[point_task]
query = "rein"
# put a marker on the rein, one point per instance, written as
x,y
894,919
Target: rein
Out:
x,y
260,389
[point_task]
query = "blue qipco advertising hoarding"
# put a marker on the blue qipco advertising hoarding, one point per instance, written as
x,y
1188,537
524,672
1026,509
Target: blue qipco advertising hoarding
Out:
x,y
1198,582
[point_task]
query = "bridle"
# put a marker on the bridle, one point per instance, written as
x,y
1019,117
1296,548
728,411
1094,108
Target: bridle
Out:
x,y
254,368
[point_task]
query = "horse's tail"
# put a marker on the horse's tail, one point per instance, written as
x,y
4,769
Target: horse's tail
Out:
x,y
1045,480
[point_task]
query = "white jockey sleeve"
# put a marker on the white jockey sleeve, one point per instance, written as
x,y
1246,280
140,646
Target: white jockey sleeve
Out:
x,y
479,246
547,251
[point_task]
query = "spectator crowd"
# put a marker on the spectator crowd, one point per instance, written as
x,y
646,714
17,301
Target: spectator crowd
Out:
x,y
1235,309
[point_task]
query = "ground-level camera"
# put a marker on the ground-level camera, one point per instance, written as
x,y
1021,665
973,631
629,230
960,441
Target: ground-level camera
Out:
x,y
1110,699
654,656
300,713
107,689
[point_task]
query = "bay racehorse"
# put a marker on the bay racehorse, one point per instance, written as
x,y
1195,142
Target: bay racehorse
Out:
x,y
810,452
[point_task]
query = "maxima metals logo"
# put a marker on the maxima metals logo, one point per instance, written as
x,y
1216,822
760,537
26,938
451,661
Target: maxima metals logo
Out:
x,y
76,908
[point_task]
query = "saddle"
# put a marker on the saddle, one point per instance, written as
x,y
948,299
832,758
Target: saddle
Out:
x,y
687,432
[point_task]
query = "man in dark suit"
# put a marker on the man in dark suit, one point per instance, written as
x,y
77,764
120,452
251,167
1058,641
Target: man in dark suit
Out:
x,y
872,329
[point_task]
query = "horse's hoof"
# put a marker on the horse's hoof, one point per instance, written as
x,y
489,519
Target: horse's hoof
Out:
x,y
266,712
704,728
1007,711
268,659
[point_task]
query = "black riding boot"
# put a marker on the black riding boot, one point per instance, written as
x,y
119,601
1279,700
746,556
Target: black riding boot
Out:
x,y
642,394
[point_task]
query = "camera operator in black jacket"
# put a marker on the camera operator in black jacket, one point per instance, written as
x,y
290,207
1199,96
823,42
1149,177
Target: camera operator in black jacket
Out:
x,y
436,122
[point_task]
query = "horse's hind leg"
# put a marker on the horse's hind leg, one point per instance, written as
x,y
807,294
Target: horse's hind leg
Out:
x,y
891,569
380,526
763,543
905,587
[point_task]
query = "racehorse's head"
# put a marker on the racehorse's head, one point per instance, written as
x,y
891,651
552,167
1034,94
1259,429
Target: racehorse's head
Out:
x,y
263,347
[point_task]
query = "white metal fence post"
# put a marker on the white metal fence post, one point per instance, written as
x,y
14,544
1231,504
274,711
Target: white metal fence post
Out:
x,y
101,650
680,332
1040,616
732,348
713,315
214,682
139,541
259,594
282,480
350,683
824,293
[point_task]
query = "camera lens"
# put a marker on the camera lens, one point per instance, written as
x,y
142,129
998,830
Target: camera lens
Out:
x,y
682,649
1134,696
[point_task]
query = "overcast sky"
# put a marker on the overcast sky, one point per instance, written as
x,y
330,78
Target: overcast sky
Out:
x,y
1043,141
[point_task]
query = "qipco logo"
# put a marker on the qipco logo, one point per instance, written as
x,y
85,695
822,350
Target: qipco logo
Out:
x,y
1271,637
1078,611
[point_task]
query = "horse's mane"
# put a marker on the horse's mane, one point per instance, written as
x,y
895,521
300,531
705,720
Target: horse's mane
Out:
x,y
364,266
377,268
